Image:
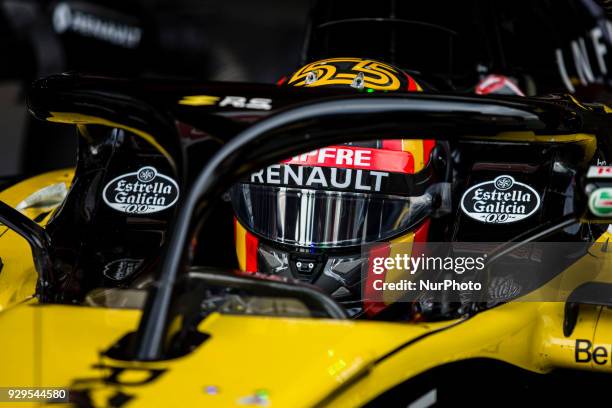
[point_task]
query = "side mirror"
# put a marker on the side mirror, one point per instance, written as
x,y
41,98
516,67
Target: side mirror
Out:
x,y
591,293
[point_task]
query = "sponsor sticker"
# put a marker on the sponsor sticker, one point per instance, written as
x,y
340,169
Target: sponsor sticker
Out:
x,y
323,177
585,58
587,352
500,201
121,268
600,202
143,192
600,172
352,157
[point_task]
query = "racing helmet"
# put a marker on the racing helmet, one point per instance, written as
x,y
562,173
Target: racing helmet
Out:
x,y
321,216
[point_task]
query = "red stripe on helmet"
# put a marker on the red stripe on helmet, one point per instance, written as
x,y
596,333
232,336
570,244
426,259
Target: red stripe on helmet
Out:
x,y
428,146
412,85
383,250
421,234
251,246
370,307
392,144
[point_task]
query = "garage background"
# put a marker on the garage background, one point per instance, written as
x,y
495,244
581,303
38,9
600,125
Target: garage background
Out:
x,y
234,40
452,43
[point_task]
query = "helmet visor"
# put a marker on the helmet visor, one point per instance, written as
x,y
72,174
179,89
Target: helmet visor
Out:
x,y
325,219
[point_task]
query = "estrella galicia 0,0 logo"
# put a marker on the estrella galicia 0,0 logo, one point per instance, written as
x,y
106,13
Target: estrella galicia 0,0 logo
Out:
x,y
500,201
143,192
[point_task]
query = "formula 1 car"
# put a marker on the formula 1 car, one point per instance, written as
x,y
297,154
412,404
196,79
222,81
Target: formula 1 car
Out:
x,y
116,288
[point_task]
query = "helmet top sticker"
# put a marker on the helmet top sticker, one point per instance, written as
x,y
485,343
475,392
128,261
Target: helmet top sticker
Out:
x,y
355,72
143,192
500,201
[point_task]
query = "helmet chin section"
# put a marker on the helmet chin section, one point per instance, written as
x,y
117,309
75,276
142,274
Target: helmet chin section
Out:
x,y
338,275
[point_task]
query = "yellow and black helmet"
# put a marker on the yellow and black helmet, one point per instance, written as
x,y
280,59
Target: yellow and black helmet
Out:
x,y
358,73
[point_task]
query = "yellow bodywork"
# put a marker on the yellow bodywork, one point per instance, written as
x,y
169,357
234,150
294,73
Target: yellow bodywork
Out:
x,y
292,362
297,362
